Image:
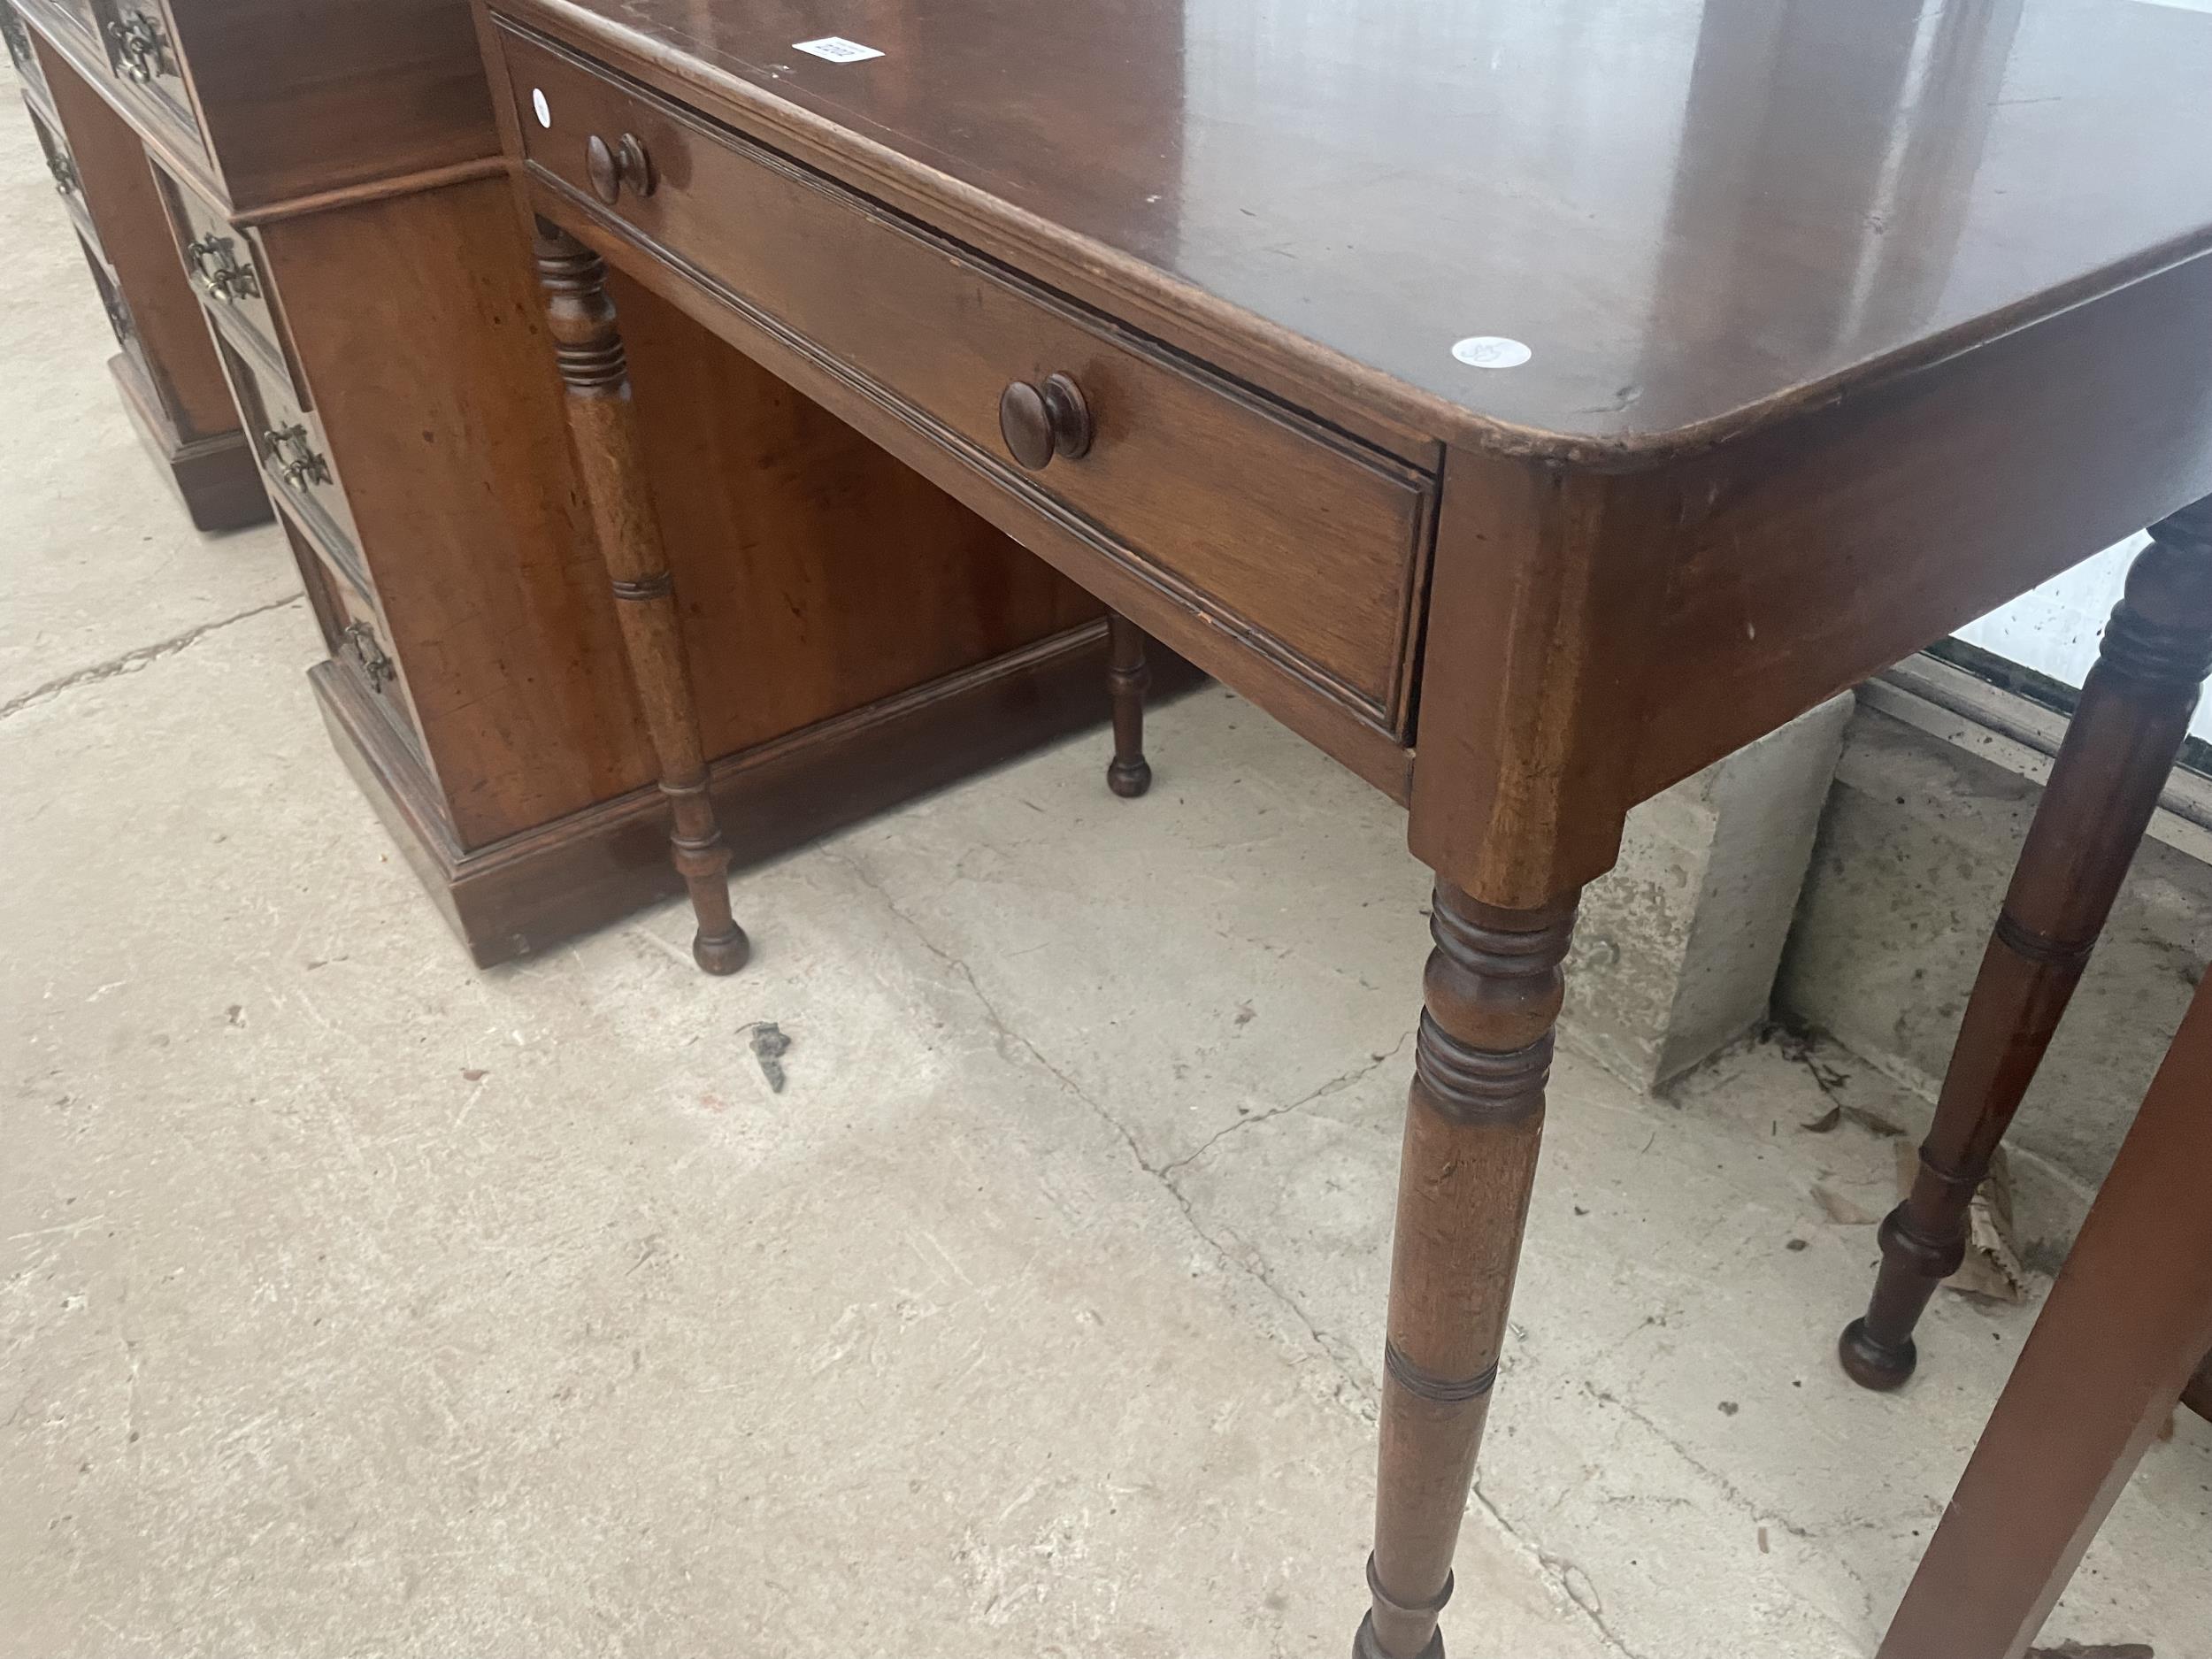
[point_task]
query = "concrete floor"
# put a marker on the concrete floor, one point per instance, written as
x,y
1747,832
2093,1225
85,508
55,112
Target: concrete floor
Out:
x,y
356,1302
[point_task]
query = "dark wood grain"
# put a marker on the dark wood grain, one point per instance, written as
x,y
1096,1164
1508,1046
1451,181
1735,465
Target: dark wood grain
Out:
x,y
1195,484
1474,1120
818,573
295,100
531,891
1695,212
2127,1323
125,208
1823,355
2104,786
588,346
1127,678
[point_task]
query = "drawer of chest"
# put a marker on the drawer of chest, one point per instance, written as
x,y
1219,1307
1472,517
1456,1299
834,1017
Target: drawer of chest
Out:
x,y
1304,542
226,265
15,35
111,301
294,454
354,629
61,166
140,39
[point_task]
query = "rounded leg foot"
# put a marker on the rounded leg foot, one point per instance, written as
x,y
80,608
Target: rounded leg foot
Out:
x,y
1365,1647
1873,1365
725,953
1129,779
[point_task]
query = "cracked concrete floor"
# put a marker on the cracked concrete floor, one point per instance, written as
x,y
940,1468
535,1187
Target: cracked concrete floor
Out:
x,y
356,1302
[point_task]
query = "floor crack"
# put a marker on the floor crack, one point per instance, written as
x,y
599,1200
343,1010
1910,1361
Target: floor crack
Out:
x,y
1330,1349
1351,1373
1334,1086
132,660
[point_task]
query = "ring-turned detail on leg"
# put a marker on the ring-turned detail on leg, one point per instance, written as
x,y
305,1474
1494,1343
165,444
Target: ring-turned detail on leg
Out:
x,y
1127,680
1474,1118
604,429
2118,750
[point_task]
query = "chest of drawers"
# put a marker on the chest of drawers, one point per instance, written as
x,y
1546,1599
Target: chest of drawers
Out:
x,y
163,366
318,199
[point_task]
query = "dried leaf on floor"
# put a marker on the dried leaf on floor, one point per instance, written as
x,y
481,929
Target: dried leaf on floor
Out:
x,y
1993,1266
1840,1209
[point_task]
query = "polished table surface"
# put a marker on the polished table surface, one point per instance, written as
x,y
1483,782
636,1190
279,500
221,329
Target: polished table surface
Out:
x,y
1686,208
1530,402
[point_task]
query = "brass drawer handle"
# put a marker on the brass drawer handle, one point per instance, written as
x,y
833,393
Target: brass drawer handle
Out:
x,y
65,171
610,169
1039,423
217,270
142,50
375,666
295,458
119,315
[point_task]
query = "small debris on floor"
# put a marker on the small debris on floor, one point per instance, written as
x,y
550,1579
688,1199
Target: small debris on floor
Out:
x,y
769,1045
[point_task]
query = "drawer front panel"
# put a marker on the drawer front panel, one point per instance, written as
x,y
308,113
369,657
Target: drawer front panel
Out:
x,y
294,455
16,34
112,302
226,265
141,42
61,166
1214,489
354,631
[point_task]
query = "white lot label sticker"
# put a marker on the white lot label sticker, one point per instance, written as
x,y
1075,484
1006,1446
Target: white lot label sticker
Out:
x,y
837,49
544,109
1490,352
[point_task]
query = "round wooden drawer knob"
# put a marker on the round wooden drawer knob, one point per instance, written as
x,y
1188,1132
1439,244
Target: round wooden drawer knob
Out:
x,y
1040,422
611,168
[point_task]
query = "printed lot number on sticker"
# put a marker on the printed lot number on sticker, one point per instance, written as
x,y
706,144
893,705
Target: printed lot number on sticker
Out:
x,y
837,50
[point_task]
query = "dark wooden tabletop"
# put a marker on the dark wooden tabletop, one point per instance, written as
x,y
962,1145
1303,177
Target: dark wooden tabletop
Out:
x,y
1687,212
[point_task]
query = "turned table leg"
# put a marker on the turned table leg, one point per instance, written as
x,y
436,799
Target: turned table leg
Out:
x,y
2133,715
2130,1315
1473,1120
1127,680
604,427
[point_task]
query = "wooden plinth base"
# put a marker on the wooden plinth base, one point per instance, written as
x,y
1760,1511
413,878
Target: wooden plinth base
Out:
x,y
216,477
532,891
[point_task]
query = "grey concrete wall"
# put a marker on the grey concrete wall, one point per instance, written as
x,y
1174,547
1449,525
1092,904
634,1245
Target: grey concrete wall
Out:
x,y
1676,949
1917,844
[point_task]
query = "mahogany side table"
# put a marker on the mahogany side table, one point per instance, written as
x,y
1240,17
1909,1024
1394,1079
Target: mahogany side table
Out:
x,y
1528,405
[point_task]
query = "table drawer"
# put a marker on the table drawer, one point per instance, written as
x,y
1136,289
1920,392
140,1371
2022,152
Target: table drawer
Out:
x,y
1215,490
226,265
294,455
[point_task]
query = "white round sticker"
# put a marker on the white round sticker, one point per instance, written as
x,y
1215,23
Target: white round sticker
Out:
x,y
544,109
1490,352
